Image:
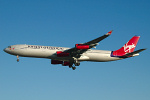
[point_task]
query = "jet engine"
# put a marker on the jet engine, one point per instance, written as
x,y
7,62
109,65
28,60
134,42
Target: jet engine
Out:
x,y
82,46
65,63
62,54
56,62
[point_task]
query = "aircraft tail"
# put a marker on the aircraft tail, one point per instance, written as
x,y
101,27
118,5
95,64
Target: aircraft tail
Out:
x,y
127,48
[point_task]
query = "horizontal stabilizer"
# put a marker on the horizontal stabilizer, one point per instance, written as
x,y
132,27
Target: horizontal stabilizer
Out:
x,y
133,53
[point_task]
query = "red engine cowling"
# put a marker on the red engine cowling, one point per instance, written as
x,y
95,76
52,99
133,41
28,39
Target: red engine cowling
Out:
x,y
66,63
56,62
82,46
62,54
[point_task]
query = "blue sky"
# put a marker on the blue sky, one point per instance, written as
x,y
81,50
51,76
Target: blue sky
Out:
x,y
65,23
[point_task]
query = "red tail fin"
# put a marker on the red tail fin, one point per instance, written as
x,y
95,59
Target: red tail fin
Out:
x,y
128,47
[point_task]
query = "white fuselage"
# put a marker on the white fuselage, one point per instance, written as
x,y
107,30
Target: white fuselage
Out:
x,y
50,53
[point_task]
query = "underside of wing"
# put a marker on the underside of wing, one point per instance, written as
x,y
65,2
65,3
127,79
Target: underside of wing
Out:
x,y
95,41
81,48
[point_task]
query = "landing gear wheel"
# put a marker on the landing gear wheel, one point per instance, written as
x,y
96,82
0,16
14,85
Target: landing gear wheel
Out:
x,y
17,60
70,66
77,64
73,68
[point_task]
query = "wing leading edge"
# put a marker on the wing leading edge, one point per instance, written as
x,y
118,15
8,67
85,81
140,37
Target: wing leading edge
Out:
x,y
76,52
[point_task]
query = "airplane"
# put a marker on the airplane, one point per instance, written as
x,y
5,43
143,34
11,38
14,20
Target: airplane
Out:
x,y
73,56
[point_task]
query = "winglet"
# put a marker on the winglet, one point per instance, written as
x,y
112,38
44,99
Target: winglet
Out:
x,y
109,33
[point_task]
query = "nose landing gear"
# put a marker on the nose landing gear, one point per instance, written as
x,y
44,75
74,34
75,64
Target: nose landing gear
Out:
x,y
17,58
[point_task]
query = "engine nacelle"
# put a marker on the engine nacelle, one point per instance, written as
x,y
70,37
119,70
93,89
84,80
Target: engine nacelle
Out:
x,y
62,54
82,46
66,63
56,62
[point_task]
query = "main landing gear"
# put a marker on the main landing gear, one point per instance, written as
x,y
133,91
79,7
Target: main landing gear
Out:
x,y
17,58
76,63
70,66
73,68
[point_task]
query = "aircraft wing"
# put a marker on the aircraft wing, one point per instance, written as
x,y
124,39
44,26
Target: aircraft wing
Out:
x,y
81,48
95,41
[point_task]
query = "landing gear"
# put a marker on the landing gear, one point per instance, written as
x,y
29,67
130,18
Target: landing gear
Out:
x,y
17,58
74,63
70,66
77,64
73,68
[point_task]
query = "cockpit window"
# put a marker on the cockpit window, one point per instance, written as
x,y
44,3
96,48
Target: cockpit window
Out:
x,y
9,46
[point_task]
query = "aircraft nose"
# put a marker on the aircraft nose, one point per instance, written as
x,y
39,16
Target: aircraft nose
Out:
x,y
6,50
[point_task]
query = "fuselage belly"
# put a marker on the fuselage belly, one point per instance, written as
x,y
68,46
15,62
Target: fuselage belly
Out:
x,y
50,53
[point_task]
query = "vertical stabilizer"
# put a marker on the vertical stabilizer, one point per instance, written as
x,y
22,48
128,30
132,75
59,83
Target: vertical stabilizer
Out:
x,y
127,48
